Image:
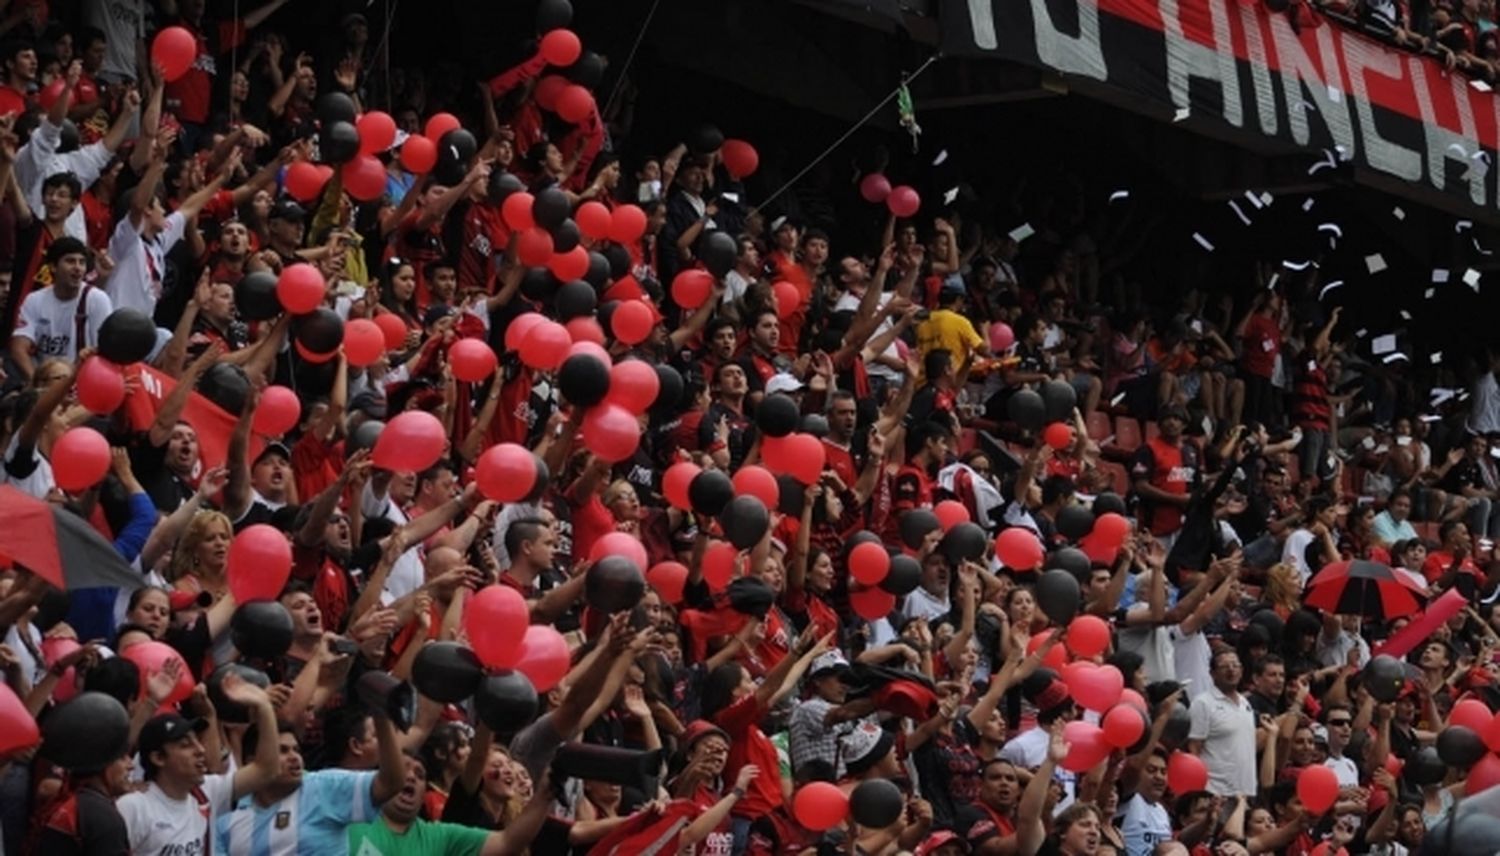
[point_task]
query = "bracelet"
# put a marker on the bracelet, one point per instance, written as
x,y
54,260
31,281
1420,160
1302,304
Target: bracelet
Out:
x,y
738,792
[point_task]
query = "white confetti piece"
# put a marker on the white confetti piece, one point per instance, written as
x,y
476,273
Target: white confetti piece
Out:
x,y
1022,232
1429,293
1119,196
1442,394
1375,263
1115,402
1254,199
1383,344
1437,357
1235,207
949,195
1203,242
1343,153
1332,229
1307,204
1459,150
1334,94
1398,213
1430,417
1480,249
1266,199
1480,85
941,156
1439,275
1270,284
1462,226
1396,358
1323,292
1361,333
1405,316
1182,113
1471,278
1291,265
732,197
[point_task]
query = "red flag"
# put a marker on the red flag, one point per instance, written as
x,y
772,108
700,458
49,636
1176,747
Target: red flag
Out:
x,y
213,424
1399,645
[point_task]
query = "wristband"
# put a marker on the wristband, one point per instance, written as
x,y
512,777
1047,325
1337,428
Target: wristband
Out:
x,y
739,793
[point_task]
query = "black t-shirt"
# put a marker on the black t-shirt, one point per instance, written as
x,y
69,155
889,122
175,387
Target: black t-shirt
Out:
x,y
464,807
96,829
167,490
949,772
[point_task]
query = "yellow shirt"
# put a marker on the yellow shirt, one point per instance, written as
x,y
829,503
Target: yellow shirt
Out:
x,y
947,329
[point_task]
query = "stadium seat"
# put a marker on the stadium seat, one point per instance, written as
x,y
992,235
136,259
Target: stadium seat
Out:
x,y
1099,426
1127,439
1119,478
1153,430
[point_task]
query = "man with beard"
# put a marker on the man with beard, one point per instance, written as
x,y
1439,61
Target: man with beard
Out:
x,y
400,830
228,263
760,360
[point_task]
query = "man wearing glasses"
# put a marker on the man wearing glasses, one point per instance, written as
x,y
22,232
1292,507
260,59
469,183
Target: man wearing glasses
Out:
x,y
1339,721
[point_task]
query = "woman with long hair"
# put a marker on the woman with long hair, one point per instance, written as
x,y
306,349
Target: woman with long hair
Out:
x,y
202,554
444,756
1283,589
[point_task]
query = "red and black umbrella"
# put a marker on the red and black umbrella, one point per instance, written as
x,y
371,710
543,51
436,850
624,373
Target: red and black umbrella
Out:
x,y
58,545
1370,589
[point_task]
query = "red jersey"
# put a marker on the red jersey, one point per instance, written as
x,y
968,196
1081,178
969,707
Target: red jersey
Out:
x,y
841,460
1439,561
1169,468
749,745
485,235
188,96
420,247
1262,341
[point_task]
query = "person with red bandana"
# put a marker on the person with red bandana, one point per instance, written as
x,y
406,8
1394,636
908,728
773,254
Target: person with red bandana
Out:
x,y
1165,473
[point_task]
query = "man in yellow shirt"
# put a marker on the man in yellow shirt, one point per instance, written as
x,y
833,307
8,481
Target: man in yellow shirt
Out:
x,y
948,329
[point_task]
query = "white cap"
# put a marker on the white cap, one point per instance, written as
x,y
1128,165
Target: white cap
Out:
x,y
783,382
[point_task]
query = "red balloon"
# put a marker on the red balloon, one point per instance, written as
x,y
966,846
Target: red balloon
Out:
x,y
561,48
875,188
1088,635
675,481
440,124
312,356
49,94
1471,713
304,181
692,287
495,620
516,211
18,730
364,340
377,130
633,385
174,49
1058,435
545,658
55,648
1485,774
611,432
1133,698
592,349
547,90
1317,787
740,158
11,102
1098,550
628,224
85,93
820,806
751,480
1057,656
472,360
260,561
1123,725
585,328
411,442
788,299
151,657
1097,688
869,563
593,220
950,513
575,104
392,332
1001,337
100,386
1018,549
573,264
632,322
506,472
718,564
1187,773
80,459
300,288
1491,734
277,412
669,579
533,246
903,201
364,177
810,456
1111,528
871,604
620,544
546,345
1087,748
516,333
418,154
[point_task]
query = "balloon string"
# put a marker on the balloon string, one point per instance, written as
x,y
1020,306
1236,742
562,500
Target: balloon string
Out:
x,y
905,81
629,58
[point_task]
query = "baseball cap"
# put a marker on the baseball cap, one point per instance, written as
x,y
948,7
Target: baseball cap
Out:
x,y
163,730
699,729
954,284
275,447
286,209
783,382
833,661
935,841
864,746
435,313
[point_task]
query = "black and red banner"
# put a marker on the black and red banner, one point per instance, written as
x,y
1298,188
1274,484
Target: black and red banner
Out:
x,y
1320,87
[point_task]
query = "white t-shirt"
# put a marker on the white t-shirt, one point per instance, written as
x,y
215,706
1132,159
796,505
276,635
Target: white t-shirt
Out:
x,y
140,263
162,826
1227,728
921,603
1294,553
1145,825
123,23
849,302
39,160
407,574
52,324
37,483
1345,769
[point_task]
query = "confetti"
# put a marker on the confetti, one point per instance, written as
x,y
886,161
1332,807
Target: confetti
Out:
x,y
1203,242
1396,358
1361,333
1235,207
1307,204
1375,263
1437,357
1182,113
1332,228
1119,196
1272,283
1461,226
1115,402
1266,199
1471,278
1442,394
1480,85
1481,250
732,197
1429,293
1405,316
1455,147
1430,417
1383,344
1323,292
1254,200
1022,232
941,156
949,195
1291,265
1439,275
1398,213
1334,94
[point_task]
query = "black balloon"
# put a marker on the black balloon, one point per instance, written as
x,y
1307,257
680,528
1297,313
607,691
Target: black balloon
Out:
x,y
255,296
127,336
606,313
1027,410
262,629
460,143
455,153
718,251
226,385
364,436
543,479
1426,767
905,575
229,711
613,584
446,672
619,260
392,698
575,299
1059,398
87,733
550,207
705,139
669,390
1075,521
339,142
553,15
506,702
598,272
710,491
1072,560
790,495
1460,747
336,107
538,284
588,71
566,236
1384,676
744,519
815,424
876,803
915,524
320,331
503,184
777,415
863,536
1057,594
1109,503
583,380
964,542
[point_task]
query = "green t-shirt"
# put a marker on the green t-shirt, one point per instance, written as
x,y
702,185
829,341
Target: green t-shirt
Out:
x,y
422,837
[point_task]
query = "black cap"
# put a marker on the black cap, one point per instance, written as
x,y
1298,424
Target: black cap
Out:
x,y
286,209
275,447
163,730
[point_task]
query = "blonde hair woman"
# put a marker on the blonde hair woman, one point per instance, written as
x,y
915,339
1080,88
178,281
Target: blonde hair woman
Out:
x,y
1283,589
199,560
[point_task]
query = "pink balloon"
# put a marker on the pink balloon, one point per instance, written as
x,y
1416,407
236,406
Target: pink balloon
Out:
x,y
611,432
633,385
277,412
151,657
544,657
495,620
55,648
101,387
506,472
260,561
1097,688
1001,337
411,442
903,201
80,459
620,544
1087,746
875,188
